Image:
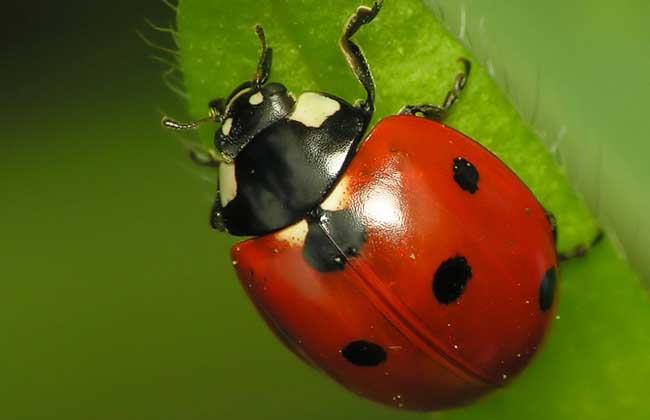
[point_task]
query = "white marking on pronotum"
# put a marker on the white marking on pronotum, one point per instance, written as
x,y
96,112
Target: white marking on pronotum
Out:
x,y
339,198
227,183
256,99
227,125
312,109
295,234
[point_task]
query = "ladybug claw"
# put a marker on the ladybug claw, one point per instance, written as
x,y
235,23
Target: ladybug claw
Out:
x,y
581,250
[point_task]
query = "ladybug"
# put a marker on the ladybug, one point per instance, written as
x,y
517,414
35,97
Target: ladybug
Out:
x,y
411,265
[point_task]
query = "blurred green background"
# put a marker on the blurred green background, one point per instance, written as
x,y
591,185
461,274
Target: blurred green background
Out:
x,y
117,300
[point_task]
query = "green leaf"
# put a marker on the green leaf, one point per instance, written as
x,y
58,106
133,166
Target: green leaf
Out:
x,y
595,360
413,60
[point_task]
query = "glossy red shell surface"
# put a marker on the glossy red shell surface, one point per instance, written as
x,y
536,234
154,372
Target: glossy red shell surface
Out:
x,y
401,184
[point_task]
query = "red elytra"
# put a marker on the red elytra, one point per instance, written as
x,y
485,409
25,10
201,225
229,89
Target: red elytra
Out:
x,y
416,351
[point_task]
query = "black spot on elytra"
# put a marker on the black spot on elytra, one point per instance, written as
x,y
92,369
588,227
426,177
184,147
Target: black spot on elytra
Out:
x,y
547,289
344,228
465,175
450,279
364,353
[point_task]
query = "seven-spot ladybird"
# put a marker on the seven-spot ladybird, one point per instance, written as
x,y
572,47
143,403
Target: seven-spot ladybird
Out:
x,y
411,265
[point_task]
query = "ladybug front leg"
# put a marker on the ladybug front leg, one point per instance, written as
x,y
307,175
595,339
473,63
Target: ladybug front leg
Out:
x,y
216,215
439,112
353,54
203,156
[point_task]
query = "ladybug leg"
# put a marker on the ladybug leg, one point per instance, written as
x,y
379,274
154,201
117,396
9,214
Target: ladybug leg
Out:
x,y
430,112
202,156
216,215
439,112
577,252
355,57
205,157
580,250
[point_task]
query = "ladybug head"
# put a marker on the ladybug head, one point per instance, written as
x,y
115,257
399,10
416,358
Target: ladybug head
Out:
x,y
250,108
